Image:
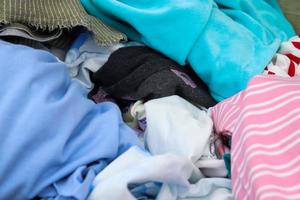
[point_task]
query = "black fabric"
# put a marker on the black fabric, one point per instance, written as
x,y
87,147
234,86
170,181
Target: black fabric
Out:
x,y
134,73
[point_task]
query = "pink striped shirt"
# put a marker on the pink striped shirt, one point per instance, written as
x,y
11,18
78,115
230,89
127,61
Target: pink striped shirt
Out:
x,y
264,121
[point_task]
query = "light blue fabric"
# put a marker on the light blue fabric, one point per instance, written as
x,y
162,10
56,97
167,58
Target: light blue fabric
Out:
x,y
54,141
85,56
225,42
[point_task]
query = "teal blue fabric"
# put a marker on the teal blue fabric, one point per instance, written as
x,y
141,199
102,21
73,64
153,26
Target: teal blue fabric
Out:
x,y
227,161
225,42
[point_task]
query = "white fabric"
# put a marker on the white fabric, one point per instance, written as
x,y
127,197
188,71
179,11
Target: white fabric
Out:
x,y
288,47
212,168
281,64
175,172
176,126
177,134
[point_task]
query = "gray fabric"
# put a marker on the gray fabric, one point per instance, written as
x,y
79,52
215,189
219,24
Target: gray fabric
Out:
x,y
20,30
291,10
138,72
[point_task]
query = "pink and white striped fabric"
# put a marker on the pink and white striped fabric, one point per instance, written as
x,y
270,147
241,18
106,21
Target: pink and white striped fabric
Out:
x,y
286,62
264,122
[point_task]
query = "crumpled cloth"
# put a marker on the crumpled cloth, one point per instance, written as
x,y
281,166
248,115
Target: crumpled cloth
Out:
x,y
136,174
225,42
286,62
54,141
86,56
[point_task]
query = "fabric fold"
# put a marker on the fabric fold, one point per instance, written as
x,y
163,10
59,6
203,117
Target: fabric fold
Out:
x,y
51,15
225,43
54,140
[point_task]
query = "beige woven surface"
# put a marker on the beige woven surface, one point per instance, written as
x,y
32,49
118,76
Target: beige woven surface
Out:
x,y
52,14
291,8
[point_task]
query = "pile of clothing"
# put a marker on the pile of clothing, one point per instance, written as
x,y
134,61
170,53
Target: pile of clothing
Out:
x,y
141,100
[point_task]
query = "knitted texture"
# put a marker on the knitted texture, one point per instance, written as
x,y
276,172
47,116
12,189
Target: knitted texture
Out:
x,y
53,14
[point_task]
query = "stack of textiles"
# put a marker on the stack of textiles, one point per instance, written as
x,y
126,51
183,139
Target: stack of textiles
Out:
x,y
144,100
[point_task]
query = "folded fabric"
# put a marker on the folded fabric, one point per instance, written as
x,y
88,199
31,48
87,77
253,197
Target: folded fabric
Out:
x,y
225,42
291,49
184,133
53,139
138,72
55,47
212,168
85,56
20,30
135,167
56,14
55,41
264,123
286,62
209,163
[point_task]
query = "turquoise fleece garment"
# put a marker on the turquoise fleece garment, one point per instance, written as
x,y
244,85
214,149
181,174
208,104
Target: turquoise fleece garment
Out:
x,y
54,141
225,42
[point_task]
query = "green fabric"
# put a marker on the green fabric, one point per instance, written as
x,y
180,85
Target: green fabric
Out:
x,y
52,14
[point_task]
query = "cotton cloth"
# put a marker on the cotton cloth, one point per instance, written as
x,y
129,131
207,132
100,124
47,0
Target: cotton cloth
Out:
x,y
286,62
54,140
264,123
135,167
85,56
185,133
225,42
